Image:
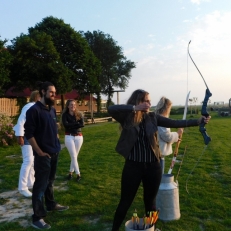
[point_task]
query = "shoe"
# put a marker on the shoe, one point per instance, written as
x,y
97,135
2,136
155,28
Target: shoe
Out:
x,y
69,177
59,207
78,178
25,193
40,224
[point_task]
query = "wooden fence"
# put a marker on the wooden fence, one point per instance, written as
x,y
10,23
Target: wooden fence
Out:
x,y
9,106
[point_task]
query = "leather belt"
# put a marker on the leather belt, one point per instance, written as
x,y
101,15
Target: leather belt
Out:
x,y
72,134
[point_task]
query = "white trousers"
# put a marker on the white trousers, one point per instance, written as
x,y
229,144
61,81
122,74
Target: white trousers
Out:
x,y
26,176
73,144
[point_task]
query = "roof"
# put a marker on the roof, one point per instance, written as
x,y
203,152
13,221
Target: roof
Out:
x,y
11,93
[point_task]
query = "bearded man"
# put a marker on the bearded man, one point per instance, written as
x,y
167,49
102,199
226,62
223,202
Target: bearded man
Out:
x,y
42,133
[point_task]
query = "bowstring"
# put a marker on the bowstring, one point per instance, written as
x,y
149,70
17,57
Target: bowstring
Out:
x,y
202,153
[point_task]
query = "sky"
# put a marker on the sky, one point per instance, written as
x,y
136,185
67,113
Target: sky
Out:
x,y
154,34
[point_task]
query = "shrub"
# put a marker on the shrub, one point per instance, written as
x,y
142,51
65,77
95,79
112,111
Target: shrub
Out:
x,y
7,136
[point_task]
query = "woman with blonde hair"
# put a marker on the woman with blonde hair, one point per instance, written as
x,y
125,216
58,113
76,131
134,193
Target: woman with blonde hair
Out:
x,y
138,145
73,121
165,137
26,176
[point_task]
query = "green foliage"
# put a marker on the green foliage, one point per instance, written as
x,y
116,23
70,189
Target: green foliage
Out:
x,y
6,130
116,69
36,59
74,52
5,61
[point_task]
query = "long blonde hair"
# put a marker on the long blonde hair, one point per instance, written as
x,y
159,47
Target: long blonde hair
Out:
x,y
77,113
163,107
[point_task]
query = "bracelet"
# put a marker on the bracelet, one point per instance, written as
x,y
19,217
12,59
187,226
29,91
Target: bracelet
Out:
x,y
134,106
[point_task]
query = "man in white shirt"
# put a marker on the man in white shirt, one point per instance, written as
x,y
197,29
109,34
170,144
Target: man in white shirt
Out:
x,y
26,176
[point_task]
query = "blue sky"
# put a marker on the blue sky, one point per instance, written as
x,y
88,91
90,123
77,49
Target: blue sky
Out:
x,y
153,33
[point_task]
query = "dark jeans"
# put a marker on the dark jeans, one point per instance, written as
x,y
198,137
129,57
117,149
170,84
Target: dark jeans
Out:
x,y
133,174
45,170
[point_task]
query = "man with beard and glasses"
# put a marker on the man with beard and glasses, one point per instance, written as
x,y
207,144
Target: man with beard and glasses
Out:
x,y
42,133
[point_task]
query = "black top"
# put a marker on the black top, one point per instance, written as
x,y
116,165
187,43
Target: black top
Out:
x,y
71,124
142,151
41,123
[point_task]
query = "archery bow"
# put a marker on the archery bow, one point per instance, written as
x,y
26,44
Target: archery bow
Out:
x,y
204,112
179,140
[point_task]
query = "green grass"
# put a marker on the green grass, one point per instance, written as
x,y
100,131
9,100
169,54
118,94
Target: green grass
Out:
x,y
94,199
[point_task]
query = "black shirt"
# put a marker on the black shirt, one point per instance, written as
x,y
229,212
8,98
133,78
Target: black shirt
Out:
x,y
142,151
41,123
71,124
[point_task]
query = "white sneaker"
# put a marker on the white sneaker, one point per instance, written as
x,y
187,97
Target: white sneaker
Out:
x,y
25,193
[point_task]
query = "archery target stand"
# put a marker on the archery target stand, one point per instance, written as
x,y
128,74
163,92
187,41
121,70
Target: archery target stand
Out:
x,y
167,199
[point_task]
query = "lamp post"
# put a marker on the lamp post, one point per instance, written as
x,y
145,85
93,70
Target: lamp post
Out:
x,y
230,105
194,101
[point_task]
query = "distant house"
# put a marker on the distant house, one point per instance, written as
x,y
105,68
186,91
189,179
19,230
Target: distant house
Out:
x,y
8,104
83,105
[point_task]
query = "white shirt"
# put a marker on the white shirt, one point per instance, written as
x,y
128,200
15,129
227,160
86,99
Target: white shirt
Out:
x,y
19,127
166,138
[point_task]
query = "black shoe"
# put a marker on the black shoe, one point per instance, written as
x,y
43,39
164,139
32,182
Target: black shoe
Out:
x,y
40,224
69,177
58,207
78,178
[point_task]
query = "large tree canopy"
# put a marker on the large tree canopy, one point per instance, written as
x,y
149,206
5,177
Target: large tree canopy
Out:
x,y
53,51
74,53
36,58
116,69
5,61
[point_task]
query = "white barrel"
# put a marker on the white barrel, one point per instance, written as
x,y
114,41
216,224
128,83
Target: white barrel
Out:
x,y
129,226
167,199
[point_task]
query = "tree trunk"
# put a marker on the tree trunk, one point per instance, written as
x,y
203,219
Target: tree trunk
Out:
x,y
98,100
62,102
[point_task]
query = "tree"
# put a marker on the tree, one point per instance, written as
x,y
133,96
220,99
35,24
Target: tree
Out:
x,y
74,53
116,68
5,61
55,52
36,59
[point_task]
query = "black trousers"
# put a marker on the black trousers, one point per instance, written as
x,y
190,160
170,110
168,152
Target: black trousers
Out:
x,y
45,170
133,174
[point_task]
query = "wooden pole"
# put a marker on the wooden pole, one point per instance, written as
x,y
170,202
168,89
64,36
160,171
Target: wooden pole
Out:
x,y
118,98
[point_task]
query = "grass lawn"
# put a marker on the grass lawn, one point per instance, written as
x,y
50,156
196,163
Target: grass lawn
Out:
x,y
92,201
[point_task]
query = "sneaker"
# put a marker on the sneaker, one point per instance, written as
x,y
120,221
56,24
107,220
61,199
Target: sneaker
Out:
x,y
69,177
25,193
78,178
58,207
40,224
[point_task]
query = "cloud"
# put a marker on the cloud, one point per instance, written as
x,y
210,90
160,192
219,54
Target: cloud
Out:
x,y
198,2
186,21
150,46
211,33
129,51
168,47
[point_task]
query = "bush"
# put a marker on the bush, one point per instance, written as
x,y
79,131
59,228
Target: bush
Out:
x,y
7,136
